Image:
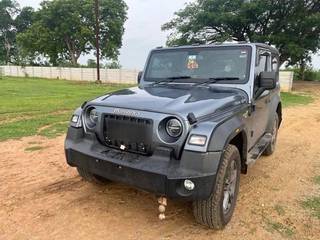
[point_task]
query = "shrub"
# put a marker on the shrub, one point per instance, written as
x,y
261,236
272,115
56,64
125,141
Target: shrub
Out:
x,y
309,74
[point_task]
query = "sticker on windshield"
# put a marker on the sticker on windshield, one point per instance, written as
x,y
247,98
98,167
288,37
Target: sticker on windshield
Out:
x,y
243,54
192,62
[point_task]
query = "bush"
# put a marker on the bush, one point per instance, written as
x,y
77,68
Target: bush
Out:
x,y
309,75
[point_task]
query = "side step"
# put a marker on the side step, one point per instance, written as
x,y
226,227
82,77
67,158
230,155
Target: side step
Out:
x,y
259,148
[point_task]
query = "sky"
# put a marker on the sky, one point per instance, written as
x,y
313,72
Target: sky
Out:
x,y
143,29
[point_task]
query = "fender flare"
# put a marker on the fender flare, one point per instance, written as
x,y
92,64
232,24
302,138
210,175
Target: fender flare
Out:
x,y
273,110
225,132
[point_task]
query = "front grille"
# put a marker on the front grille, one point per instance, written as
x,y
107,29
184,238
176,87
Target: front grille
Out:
x,y
130,134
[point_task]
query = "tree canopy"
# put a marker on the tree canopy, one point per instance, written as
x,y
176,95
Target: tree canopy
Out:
x,y
8,9
293,26
63,30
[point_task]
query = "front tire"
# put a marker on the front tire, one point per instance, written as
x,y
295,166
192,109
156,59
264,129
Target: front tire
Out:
x,y
90,177
216,212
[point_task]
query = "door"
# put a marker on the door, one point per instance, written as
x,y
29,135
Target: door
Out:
x,y
261,99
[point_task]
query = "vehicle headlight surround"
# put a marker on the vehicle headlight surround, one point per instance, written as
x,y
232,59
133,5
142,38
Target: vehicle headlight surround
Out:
x,y
170,129
174,127
91,117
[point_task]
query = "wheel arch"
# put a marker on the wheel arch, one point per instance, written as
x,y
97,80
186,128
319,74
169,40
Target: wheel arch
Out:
x,y
240,141
232,132
279,112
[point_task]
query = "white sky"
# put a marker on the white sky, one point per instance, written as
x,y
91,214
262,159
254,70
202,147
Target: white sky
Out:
x,y
143,29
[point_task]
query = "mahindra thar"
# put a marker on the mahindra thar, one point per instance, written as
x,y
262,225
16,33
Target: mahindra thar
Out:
x,y
198,118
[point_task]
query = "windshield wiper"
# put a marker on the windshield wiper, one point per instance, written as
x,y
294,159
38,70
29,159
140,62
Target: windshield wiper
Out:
x,y
179,77
217,79
163,81
171,79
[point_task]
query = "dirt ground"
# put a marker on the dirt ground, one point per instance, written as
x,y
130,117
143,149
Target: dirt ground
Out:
x,y
42,198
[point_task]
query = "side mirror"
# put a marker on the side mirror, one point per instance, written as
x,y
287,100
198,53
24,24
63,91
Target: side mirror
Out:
x,y
268,80
139,76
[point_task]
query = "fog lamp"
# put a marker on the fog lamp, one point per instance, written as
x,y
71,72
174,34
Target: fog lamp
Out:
x,y
198,140
188,184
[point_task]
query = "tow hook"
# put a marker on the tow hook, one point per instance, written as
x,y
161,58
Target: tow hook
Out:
x,y
162,207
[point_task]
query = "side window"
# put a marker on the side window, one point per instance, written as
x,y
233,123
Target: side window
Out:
x,y
264,61
262,65
274,63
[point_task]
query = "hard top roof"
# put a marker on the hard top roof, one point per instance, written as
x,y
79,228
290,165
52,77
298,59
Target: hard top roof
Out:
x,y
262,45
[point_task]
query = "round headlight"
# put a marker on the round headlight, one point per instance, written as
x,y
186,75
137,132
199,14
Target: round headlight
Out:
x,y
174,127
91,117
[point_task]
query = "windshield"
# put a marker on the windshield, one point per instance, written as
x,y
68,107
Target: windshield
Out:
x,y
229,64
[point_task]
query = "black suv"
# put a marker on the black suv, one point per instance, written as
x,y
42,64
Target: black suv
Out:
x,y
199,116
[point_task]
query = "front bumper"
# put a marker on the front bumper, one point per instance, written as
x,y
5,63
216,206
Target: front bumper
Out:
x,y
160,173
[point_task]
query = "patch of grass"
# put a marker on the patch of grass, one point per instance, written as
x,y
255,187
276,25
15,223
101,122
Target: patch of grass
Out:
x,y
284,230
34,148
317,180
312,204
29,104
33,143
293,99
54,130
29,127
280,210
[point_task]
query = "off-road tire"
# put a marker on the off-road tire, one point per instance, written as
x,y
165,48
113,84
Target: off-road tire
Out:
x,y
86,175
272,146
210,212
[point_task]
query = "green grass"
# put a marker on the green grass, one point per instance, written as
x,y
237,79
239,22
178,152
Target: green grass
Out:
x,y
34,148
317,179
34,106
273,226
279,209
30,104
293,99
312,204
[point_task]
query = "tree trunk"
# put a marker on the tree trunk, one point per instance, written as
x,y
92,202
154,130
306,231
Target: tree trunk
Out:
x,y
7,46
74,59
74,56
302,71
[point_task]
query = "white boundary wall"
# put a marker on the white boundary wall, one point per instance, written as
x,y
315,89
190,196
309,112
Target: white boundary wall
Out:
x,y
107,75
74,74
286,81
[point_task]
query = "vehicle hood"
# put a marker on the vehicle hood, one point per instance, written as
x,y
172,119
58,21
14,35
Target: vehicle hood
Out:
x,y
175,99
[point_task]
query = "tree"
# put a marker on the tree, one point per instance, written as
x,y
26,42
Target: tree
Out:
x,y
8,9
91,63
293,26
24,20
21,23
63,30
113,65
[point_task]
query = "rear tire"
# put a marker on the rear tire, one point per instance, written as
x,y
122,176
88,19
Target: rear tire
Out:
x,y
216,212
90,177
272,146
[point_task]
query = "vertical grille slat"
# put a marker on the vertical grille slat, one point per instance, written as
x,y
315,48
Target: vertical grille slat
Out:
x,y
133,133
